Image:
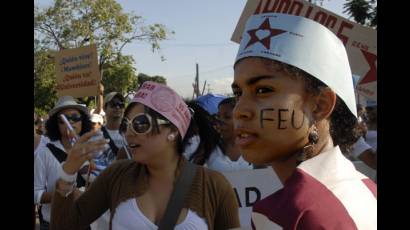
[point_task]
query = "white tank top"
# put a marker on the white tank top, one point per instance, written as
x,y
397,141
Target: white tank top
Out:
x,y
222,163
128,216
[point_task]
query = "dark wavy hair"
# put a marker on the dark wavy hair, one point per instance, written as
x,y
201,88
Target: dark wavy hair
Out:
x,y
199,125
53,132
344,126
202,125
230,101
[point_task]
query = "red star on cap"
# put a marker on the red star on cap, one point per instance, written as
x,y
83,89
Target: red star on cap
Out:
x,y
266,40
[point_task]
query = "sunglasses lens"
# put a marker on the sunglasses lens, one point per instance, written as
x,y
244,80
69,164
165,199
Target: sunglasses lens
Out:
x,y
141,124
74,118
121,105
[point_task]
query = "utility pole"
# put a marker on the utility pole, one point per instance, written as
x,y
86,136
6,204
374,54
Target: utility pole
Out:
x,y
203,88
197,81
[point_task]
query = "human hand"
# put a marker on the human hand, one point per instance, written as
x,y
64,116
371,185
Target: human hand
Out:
x,y
82,151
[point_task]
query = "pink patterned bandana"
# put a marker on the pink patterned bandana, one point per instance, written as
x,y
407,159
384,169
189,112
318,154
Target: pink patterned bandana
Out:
x,y
165,101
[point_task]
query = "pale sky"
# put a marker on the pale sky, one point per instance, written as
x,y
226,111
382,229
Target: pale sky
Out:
x,y
203,29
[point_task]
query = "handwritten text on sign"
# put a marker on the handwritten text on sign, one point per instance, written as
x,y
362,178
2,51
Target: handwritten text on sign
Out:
x,y
78,74
251,186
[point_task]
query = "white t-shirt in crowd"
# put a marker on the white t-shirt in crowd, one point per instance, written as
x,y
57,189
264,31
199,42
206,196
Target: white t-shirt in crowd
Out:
x,y
128,216
220,162
108,156
217,160
103,222
45,176
116,137
41,145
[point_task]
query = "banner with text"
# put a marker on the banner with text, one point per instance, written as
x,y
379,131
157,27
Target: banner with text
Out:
x,y
77,72
251,186
360,41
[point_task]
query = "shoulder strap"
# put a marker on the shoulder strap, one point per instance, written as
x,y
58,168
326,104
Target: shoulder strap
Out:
x,y
113,147
175,203
59,154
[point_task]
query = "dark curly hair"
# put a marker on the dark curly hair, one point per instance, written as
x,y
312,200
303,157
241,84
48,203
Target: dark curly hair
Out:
x,y
344,126
53,132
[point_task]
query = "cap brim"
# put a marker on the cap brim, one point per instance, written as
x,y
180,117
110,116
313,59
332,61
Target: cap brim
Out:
x,y
58,109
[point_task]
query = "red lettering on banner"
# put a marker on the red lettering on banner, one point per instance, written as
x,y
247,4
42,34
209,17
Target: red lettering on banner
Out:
x,y
258,8
331,19
278,6
271,6
360,45
320,17
309,10
339,34
371,75
299,6
284,9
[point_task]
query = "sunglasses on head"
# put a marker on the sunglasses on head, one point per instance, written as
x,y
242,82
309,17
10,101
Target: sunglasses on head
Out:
x,y
114,104
140,124
73,118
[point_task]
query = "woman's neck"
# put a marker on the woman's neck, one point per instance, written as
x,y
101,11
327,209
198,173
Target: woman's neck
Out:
x,y
284,168
113,124
165,169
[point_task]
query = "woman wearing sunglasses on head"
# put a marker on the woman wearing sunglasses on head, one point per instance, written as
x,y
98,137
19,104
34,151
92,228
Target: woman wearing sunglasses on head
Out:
x,y
140,192
47,162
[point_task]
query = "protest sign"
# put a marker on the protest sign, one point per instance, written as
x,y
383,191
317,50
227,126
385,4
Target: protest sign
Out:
x,y
251,186
77,72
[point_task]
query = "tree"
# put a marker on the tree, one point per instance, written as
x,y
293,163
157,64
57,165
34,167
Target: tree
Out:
x,y
144,77
75,23
44,81
120,75
363,11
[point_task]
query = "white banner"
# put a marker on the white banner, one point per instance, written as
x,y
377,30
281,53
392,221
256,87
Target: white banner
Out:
x,y
251,186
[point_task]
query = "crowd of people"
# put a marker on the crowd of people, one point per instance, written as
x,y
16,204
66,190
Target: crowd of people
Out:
x,y
156,161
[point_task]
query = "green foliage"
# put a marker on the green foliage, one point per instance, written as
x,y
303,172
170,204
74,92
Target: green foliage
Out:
x,y
75,23
119,75
144,77
363,11
44,82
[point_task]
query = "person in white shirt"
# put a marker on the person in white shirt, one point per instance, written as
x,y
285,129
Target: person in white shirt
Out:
x,y
47,161
114,105
231,159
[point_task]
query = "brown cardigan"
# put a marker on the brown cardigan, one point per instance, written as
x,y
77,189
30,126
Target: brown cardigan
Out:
x,y
211,197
